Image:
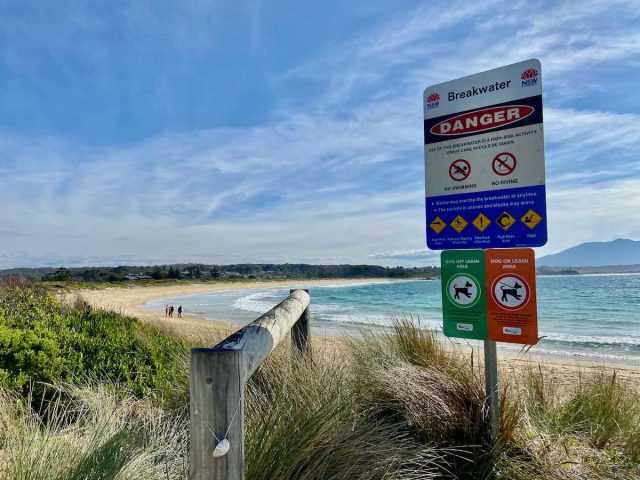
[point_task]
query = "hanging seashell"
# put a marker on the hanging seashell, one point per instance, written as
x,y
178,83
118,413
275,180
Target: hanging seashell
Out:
x,y
221,448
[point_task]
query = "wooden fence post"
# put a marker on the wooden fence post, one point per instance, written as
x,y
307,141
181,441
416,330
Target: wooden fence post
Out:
x,y
301,332
217,405
218,378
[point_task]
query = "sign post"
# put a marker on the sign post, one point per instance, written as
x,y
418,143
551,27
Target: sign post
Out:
x,y
491,388
485,189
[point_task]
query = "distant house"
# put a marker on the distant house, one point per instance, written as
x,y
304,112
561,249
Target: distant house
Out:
x,y
138,276
232,275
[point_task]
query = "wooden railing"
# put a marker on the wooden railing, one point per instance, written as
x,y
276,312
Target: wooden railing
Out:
x,y
218,378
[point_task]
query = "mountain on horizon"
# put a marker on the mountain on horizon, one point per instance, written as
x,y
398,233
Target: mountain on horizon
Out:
x,y
621,251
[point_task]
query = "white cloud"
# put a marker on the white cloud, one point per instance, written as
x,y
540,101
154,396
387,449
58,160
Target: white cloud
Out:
x,y
339,177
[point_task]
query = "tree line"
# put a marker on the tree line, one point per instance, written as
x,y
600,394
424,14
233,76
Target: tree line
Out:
x,y
216,272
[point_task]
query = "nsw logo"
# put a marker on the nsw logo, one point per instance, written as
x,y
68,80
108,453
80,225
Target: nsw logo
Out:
x,y
433,101
529,77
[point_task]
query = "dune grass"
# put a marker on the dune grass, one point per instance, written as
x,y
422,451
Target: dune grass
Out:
x,y
389,404
89,432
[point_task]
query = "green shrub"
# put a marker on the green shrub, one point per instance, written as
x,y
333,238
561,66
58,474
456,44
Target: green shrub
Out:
x,y
44,340
29,354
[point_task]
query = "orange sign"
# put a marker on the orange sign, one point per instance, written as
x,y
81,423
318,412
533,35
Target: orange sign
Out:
x,y
512,314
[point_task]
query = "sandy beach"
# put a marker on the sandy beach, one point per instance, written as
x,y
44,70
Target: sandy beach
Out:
x,y
129,301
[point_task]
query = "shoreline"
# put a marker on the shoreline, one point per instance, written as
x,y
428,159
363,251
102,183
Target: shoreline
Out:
x,y
129,301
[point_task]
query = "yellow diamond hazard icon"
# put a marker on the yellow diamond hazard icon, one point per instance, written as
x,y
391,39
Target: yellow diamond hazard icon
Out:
x,y
459,224
531,219
437,225
481,222
505,220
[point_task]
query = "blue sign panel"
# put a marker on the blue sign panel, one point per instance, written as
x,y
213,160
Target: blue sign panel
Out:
x,y
484,160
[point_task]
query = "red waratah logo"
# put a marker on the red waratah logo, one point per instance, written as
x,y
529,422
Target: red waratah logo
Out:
x,y
481,120
433,100
529,77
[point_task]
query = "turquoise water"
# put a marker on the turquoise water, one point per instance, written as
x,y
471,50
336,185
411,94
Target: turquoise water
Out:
x,y
590,316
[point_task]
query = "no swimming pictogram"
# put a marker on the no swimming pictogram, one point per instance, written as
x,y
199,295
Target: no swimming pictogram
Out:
x,y
459,170
504,163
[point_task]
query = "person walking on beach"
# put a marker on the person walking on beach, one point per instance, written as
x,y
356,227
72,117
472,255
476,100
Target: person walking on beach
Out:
x,y
171,311
180,311
166,310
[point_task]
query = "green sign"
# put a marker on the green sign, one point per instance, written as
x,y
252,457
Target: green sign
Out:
x,y
464,306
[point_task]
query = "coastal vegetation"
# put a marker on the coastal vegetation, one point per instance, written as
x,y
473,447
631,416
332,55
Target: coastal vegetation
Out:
x,y
202,272
88,393
63,278
43,340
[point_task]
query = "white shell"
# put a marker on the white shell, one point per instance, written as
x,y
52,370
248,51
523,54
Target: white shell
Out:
x,y
222,448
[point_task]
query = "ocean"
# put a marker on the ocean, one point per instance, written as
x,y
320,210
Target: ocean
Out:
x,y
593,317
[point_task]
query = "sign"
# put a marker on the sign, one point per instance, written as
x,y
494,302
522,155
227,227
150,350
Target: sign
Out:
x,y
484,155
463,294
511,295
438,225
481,222
504,163
459,170
459,224
531,219
505,221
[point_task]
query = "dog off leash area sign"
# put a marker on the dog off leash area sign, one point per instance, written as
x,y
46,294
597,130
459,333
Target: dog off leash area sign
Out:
x,y
484,160
463,293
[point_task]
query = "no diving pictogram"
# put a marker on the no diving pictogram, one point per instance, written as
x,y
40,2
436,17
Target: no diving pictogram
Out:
x,y
504,163
459,170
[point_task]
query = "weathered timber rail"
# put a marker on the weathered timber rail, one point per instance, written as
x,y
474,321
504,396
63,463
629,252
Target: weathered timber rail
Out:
x,y
218,378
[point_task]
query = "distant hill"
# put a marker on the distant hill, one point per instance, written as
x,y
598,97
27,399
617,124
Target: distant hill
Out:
x,y
595,254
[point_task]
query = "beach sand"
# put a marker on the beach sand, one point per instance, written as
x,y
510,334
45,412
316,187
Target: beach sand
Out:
x,y
129,301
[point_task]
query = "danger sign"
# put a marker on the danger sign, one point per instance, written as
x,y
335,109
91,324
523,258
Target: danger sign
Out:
x,y
511,300
484,152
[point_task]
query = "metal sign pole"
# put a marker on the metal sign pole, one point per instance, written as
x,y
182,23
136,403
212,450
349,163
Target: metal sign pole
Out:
x,y
493,397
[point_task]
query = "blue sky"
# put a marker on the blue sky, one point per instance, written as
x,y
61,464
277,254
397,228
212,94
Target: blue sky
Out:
x,y
220,132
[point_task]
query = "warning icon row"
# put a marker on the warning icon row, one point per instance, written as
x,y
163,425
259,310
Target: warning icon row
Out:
x,y
505,221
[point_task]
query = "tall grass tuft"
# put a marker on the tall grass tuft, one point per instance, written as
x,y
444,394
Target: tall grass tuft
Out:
x,y
604,408
88,432
305,422
406,375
